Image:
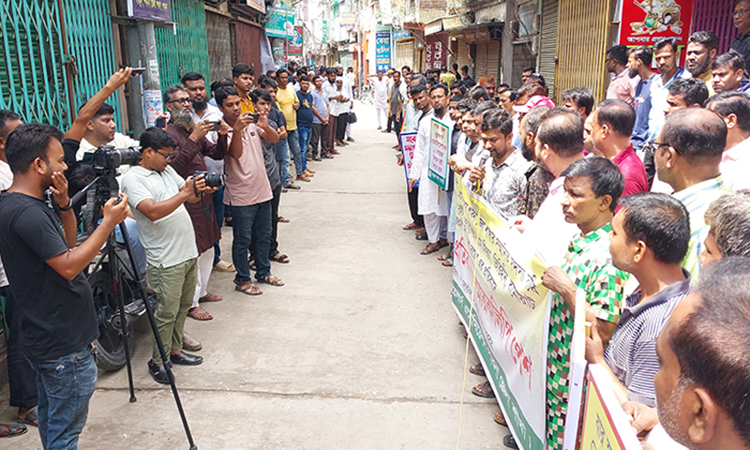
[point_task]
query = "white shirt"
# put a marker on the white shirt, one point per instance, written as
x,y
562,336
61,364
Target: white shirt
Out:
x,y
659,91
432,199
120,141
548,233
735,166
380,92
6,179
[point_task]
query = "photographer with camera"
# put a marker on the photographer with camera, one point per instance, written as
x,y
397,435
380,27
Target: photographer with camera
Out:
x,y
157,196
37,240
188,159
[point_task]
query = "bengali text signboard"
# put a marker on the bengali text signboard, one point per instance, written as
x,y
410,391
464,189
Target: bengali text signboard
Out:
x,y
498,295
644,21
156,10
440,145
382,51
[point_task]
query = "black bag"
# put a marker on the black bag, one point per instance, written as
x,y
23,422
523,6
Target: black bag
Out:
x,y
352,117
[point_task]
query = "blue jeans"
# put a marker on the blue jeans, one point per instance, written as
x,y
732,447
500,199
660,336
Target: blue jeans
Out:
x,y
284,163
135,242
251,229
65,386
293,140
304,142
218,198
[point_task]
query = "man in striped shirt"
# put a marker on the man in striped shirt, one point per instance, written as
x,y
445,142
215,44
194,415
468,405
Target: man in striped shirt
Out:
x,y
687,157
649,239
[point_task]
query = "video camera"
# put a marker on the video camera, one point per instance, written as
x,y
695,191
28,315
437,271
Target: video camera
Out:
x,y
107,159
213,179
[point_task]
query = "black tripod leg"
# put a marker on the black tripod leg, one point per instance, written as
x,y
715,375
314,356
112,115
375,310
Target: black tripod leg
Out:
x,y
164,357
117,278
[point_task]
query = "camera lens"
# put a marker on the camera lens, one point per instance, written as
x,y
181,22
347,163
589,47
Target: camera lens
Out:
x,y
214,179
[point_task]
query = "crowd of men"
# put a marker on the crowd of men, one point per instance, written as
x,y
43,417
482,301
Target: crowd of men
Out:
x,y
630,201
256,136
638,202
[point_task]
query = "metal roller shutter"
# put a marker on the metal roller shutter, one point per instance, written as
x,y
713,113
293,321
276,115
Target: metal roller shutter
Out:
x,y
548,44
405,54
187,50
219,46
493,59
248,50
463,54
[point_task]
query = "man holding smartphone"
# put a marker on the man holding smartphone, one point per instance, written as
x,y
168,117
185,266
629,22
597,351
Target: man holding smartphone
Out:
x,y
189,156
248,190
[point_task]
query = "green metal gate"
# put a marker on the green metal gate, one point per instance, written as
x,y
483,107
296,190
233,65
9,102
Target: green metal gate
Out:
x,y
88,28
33,62
32,79
187,49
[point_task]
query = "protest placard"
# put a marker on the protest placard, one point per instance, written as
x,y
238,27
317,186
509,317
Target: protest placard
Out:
x,y
440,146
498,295
605,424
408,144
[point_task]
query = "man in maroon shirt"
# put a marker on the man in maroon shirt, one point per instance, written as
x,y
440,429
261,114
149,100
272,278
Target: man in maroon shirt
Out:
x,y
610,127
187,158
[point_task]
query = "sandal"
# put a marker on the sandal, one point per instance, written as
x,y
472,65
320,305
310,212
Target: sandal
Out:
x,y
198,313
430,248
444,257
248,288
500,419
12,430
210,298
30,418
447,262
252,265
477,369
272,280
421,236
411,226
291,186
483,390
280,258
283,219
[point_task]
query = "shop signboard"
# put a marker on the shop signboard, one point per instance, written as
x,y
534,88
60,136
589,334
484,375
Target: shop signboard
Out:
x,y
382,51
280,23
156,10
644,21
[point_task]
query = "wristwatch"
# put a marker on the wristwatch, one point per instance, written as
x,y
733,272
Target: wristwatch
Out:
x,y
66,207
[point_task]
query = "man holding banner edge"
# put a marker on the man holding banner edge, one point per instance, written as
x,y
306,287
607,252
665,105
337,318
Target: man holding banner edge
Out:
x,y
592,188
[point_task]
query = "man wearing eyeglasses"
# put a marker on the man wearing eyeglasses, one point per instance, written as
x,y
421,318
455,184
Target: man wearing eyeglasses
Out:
x,y
156,194
687,155
188,157
741,18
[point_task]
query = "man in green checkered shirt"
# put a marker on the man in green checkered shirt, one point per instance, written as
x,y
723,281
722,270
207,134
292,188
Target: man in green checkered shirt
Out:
x,y
592,187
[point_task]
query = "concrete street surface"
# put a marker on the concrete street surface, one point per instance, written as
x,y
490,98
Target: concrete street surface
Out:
x,y
359,350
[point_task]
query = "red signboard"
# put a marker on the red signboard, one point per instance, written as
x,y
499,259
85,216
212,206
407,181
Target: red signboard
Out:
x,y
436,51
645,20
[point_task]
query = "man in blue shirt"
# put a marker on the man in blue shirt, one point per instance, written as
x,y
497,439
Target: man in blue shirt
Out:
x,y
304,124
639,64
665,55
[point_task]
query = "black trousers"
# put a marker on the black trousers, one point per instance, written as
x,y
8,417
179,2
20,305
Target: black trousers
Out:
x,y
414,207
318,139
342,122
21,376
275,221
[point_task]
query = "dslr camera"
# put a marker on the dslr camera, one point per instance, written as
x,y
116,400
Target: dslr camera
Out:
x,y
213,179
107,158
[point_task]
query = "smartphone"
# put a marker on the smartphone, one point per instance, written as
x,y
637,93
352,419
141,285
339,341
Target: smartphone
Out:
x,y
255,117
216,124
137,71
161,122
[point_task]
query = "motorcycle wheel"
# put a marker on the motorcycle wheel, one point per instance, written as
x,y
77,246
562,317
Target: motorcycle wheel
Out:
x,y
109,347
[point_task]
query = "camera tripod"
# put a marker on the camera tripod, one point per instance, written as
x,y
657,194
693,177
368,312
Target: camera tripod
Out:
x,y
105,187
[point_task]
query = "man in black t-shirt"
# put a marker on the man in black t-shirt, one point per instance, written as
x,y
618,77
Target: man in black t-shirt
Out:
x,y
37,241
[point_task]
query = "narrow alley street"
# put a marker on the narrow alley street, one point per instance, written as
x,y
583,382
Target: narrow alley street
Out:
x,y
359,350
